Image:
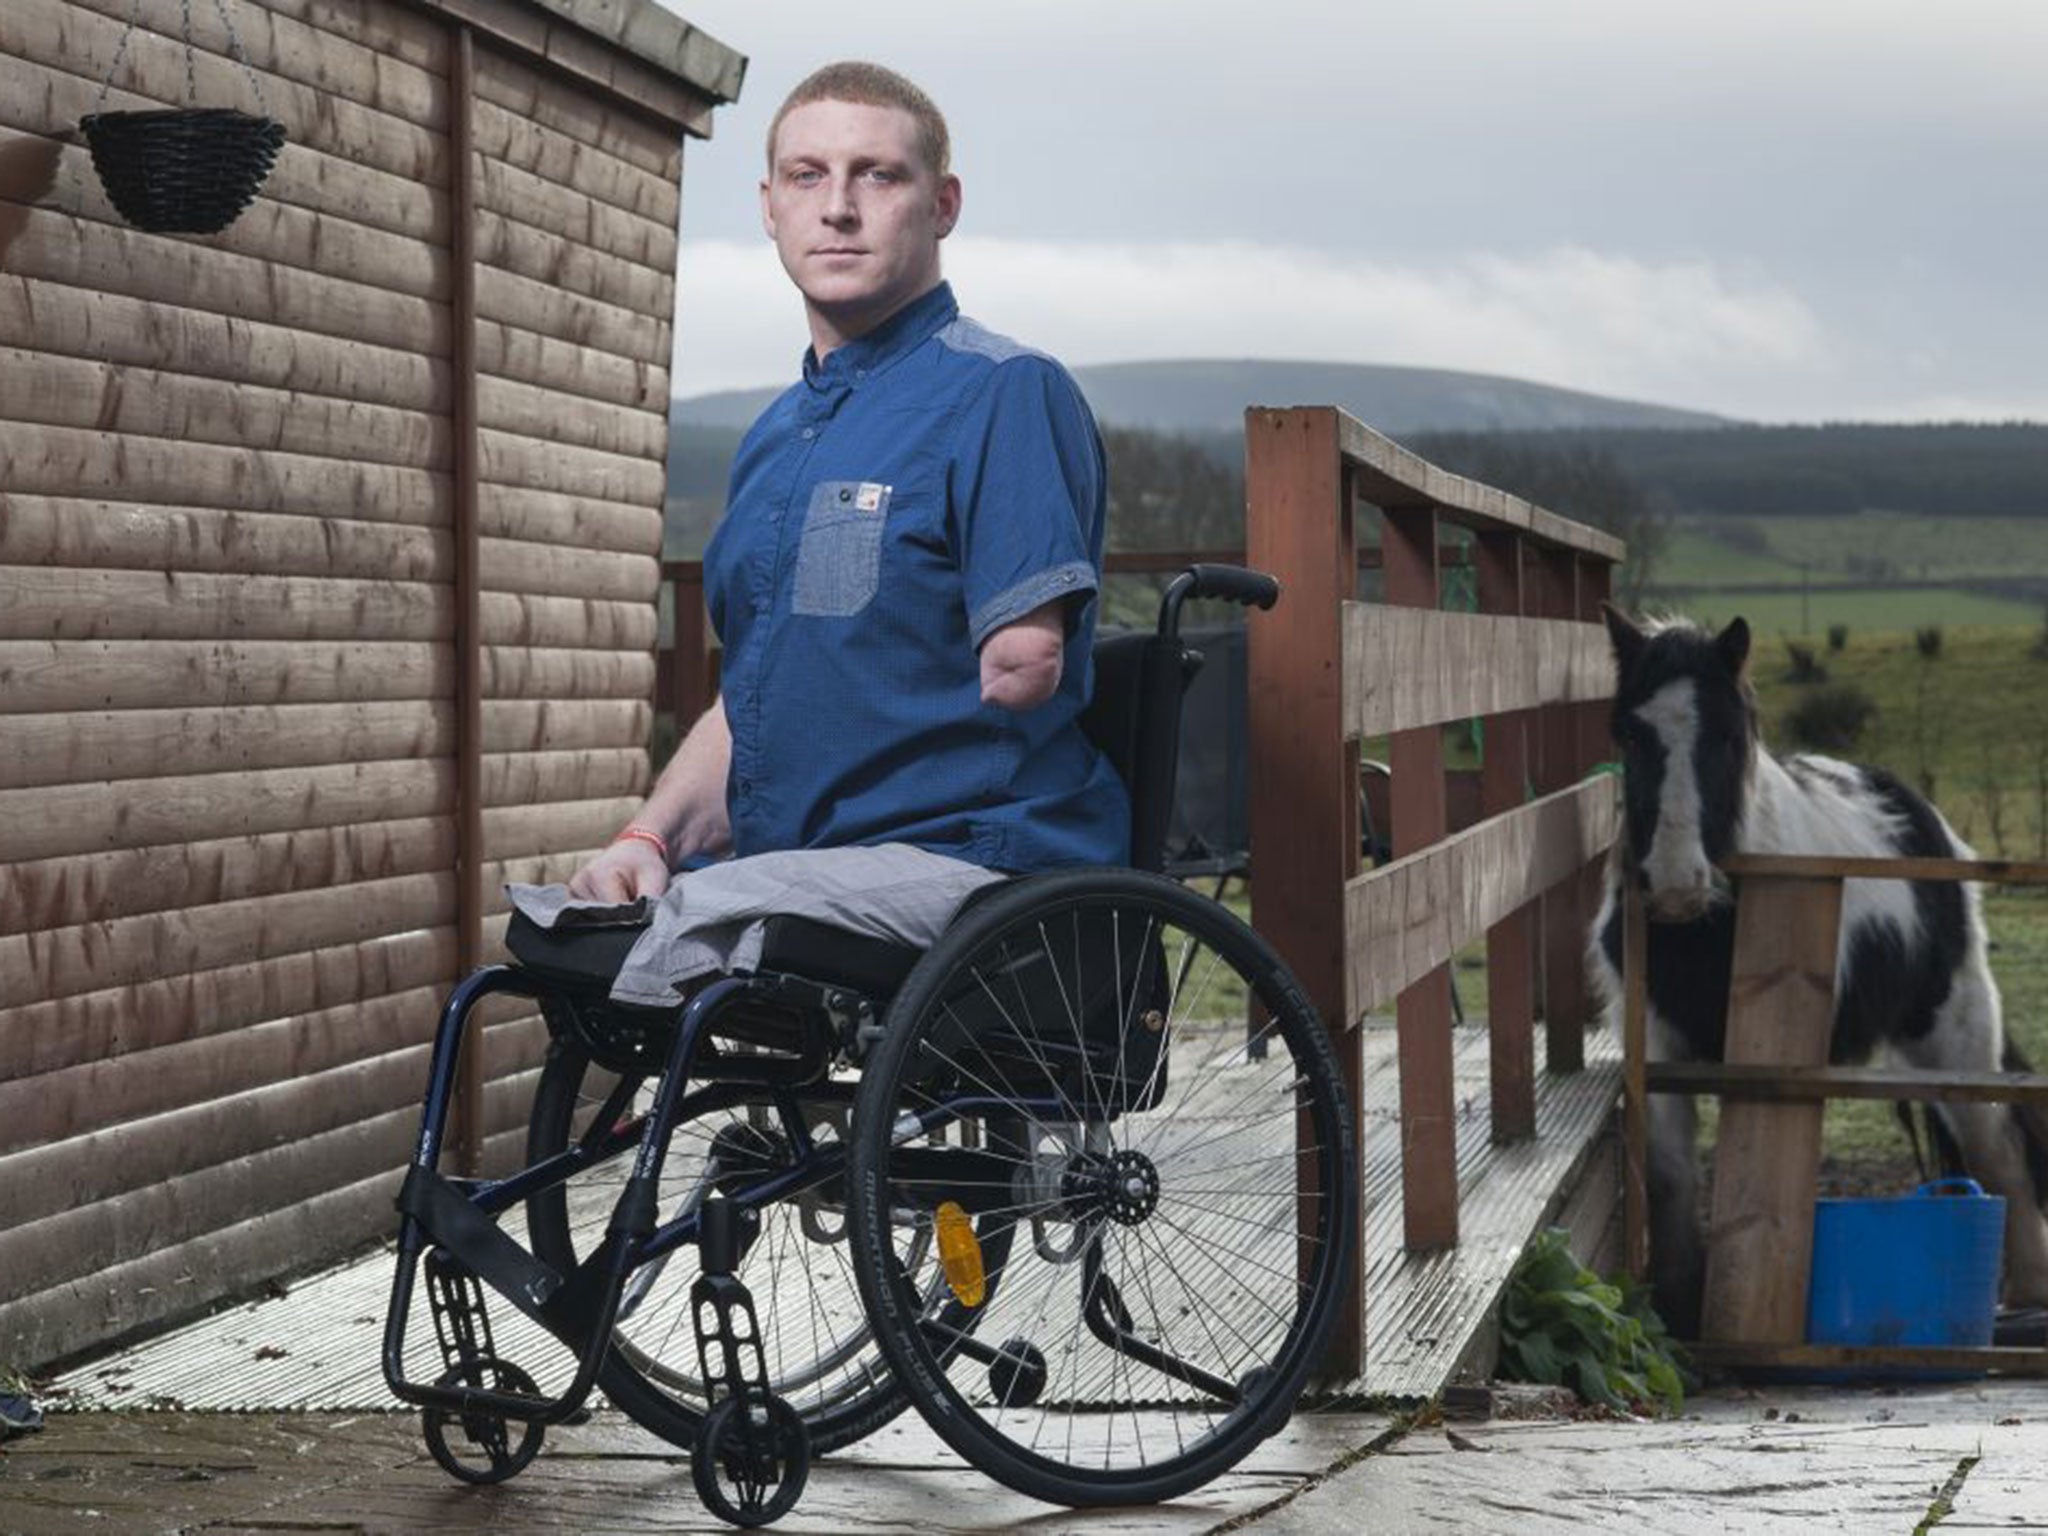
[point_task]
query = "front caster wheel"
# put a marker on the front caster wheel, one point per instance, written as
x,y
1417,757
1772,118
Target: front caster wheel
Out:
x,y
751,1458
478,1447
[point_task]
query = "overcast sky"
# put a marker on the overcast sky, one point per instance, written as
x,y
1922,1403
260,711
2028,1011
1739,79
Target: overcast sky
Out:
x,y
1782,210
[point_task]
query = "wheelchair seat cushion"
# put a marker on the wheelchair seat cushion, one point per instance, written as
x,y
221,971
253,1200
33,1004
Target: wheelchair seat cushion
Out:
x,y
853,917
585,958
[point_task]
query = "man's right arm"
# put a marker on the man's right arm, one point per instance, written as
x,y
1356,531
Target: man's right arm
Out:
x,y
686,809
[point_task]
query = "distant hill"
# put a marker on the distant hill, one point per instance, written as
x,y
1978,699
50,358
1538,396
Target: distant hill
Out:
x,y
1210,395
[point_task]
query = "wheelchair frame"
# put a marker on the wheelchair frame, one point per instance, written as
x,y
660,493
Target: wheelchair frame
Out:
x,y
450,1223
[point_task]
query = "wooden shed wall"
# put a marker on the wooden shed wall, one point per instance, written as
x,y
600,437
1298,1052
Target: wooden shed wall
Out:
x,y
230,648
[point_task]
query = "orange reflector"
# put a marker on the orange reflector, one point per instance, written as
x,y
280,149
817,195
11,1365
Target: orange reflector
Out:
x,y
959,1252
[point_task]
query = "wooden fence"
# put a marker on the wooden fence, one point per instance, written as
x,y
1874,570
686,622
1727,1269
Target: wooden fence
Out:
x,y
1774,1081
1328,672
327,547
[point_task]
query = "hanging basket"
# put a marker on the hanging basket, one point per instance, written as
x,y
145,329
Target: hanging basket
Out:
x,y
189,171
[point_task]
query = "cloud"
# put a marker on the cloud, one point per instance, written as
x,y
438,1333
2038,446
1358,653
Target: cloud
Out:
x,y
1683,332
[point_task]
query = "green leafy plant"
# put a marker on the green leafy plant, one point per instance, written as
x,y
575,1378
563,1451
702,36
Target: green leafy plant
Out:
x,y
1563,1325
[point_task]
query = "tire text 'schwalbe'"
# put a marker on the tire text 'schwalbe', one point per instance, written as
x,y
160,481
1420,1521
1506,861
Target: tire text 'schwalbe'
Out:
x,y
646,1400
1131,1165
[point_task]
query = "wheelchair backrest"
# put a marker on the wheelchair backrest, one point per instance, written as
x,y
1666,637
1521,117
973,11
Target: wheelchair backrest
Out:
x,y
1134,717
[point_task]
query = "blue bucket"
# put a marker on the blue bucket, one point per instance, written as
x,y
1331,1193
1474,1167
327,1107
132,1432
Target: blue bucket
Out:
x,y
1912,1269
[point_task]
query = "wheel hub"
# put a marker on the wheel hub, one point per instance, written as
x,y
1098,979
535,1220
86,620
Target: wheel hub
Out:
x,y
1123,1186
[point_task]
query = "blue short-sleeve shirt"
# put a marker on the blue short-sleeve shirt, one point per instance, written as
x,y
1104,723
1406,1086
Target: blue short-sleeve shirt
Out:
x,y
920,488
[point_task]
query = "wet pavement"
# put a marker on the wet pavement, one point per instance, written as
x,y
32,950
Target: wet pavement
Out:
x,y
1790,1460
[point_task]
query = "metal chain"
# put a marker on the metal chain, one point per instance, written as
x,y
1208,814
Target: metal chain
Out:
x,y
191,76
238,51
120,50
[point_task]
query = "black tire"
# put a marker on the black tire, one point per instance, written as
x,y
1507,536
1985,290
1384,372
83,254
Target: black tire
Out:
x,y
1112,1003
482,1448
821,1356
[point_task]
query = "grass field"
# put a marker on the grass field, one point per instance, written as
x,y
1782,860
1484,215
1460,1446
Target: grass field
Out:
x,y
1869,546
1792,613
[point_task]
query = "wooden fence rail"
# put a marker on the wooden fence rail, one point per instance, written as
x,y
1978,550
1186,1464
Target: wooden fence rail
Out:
x,y
1326,672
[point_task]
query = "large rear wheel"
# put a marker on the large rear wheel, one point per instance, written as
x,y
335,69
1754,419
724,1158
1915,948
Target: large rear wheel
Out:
x,y
1123,1081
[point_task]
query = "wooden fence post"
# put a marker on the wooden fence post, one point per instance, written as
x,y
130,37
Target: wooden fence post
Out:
x,y
1422,1012
1510,954
1302,775
1564,911
1781,1011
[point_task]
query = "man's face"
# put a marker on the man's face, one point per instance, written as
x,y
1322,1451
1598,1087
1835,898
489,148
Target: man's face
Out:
x,y
855,213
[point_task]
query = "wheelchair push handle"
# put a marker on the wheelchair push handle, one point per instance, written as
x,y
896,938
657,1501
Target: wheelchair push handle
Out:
x,y
1228,583
1235,584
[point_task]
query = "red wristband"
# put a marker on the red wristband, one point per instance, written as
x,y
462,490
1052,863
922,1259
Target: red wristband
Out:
x,y
648,836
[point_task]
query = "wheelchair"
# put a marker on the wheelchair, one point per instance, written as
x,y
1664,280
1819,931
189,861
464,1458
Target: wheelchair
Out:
x,y
1077,1183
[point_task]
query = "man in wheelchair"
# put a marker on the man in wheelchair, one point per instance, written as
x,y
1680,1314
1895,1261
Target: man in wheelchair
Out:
x,y
908,1089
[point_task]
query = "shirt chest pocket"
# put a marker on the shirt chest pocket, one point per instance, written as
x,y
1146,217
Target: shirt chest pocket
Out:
x,y
839,553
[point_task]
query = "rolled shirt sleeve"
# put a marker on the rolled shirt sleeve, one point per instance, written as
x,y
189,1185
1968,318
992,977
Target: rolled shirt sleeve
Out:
x,y
1027,496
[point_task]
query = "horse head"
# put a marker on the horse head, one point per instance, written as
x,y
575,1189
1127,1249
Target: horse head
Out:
x,y
1684,720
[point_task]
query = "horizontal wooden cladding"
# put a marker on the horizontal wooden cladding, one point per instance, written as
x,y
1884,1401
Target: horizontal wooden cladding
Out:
x,y
111,1021
51,602
40,676
556,570
134,536
74,1313
527,94
59,820
523,390
527,357
114,397
323,58
78,889
511,406
52,675
1410,667
97,534
62,962
1388,475
586,473
553,156
74,461
1406,918
111,1128
332,1146
539,306
563,263
545,205
94,326
388,28
154,743
55,963
93,1095
612,76
268,231
67,35
529,518
164,269
39,100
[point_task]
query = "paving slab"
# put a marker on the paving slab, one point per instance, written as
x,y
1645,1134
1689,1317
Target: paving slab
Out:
x,y
1785,1461
176,1473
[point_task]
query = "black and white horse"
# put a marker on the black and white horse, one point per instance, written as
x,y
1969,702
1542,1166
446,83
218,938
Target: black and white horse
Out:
x,y
1912,977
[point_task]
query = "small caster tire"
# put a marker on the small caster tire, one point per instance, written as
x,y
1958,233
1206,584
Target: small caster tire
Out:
x,y
751,1459
479,1447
